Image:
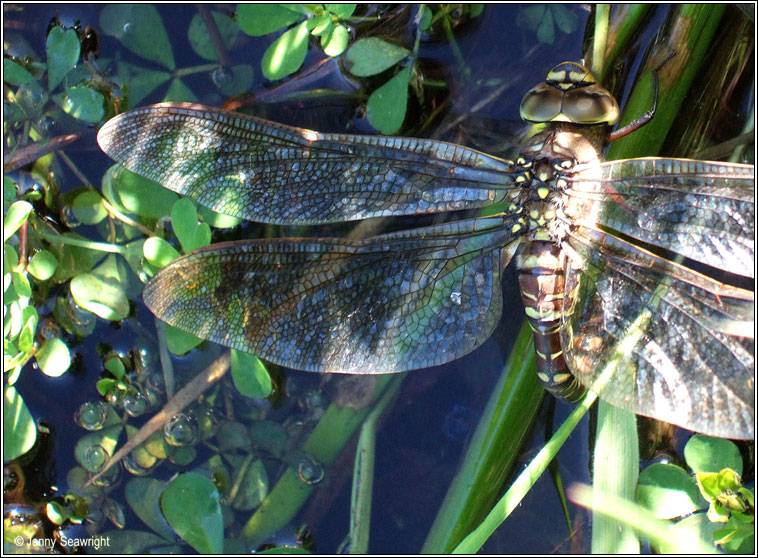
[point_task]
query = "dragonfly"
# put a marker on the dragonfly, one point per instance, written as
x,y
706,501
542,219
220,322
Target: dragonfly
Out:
x,y
636,275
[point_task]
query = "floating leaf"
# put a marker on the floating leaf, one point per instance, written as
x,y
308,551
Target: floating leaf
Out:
x,y
200,39
73,260
159,252
251,378
62,54
88,207
254,487
17,214
336,43
191,234
705,454
21,284
106,439
190,504
140,28
180,342
29,318
141,81
667,490
372,55
178,92
84,103
218,220
261,19
286,54
53,357
42,265
19,430
143,496
320,25
386,106
236,80
341,10
14,73
103,297
137,194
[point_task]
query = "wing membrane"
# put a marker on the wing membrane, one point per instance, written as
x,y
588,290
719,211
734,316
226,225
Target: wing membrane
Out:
x,y
385,304
263,171
704,211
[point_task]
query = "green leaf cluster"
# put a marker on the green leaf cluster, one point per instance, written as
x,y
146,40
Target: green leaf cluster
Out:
x,y
672,493
287,53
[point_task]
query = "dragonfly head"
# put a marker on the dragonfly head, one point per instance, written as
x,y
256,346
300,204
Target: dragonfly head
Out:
x,y
570,93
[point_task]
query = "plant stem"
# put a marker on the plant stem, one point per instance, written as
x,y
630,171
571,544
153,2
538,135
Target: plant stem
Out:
x,y
84,243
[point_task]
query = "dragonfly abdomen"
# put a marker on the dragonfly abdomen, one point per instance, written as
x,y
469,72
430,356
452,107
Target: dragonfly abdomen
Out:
x,y
541,280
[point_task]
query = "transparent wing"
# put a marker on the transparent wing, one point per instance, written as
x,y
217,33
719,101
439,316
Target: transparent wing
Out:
x,y
704,211
385,304
263,171
644,324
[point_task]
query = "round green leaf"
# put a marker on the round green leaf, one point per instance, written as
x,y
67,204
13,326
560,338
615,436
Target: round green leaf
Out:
x,y
180,342
386,106
320,25
62,54
84,103
19,430
159,252
191,234
218,220
42,265
14,73
140,195
17,214
191,506
200,39
336,42
250,375
704,454
21,284
261,19
178,92
254,487
140,28
236,80
141,81
30,318
88,207
370,56
286,54
143,496
667,490
103,297
53,357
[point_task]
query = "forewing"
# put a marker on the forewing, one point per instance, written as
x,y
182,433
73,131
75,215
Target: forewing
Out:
x,y
385,304
262,171
703,211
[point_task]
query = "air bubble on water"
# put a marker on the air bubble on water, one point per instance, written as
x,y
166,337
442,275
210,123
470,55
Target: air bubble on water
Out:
x,y
94,458
91,415
309,471
135,404
180,431
132,465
